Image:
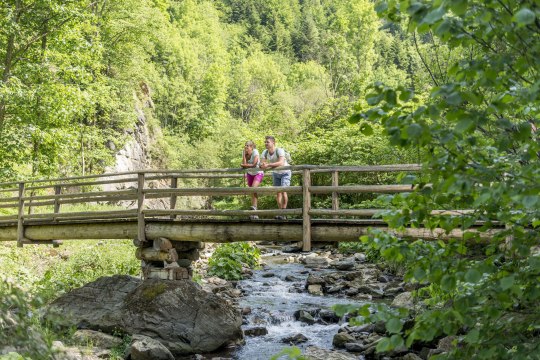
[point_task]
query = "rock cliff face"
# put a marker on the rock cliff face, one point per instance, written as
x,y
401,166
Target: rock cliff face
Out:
x,y
135,154
179,314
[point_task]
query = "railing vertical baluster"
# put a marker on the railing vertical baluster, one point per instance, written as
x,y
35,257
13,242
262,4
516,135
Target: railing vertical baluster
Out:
x,y
335,196
306,218
141,235
174,185
57,191
20,220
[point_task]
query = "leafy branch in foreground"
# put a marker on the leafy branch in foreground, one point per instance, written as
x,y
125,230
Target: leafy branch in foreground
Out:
x,y
478,130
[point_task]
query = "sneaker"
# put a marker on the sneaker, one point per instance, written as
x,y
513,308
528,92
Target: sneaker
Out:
x,y
279,217
253,217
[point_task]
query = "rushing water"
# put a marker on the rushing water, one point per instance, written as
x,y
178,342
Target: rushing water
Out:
x,y
273,301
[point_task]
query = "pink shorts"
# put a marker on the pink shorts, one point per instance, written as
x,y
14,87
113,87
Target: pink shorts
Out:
x,y
250,178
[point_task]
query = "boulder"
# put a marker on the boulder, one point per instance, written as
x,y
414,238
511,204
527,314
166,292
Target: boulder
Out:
x,y
256,331
304,316
316,353
295,339
341,338
96,338
316,261
315,290
179,314
346,264
146,348
404,300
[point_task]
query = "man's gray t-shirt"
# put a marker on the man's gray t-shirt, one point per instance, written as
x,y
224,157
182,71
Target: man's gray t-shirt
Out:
x,y
274,158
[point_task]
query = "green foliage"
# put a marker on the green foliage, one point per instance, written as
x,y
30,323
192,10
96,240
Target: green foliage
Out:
x,y
291,353
228,260
89,263
477,125
20,325
118,352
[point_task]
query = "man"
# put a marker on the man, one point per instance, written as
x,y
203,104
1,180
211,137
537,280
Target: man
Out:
x,y
274,157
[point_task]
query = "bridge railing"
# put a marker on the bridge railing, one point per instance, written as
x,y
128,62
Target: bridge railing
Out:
x,y
130,195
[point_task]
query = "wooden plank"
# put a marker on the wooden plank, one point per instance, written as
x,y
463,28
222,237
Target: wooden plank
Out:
x,y
12,205
335,195
369,168
344,212
141,235
306,207
162,244
57,191
354,189
88,183
151,254
165,173
82,215
271,212
20,220
174,185
9,190
88,195
215,231
209,191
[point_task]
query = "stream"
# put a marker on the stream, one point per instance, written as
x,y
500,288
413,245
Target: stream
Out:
x,y
274,294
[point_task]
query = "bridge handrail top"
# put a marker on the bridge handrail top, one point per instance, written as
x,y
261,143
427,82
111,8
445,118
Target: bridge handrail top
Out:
x,y
314,168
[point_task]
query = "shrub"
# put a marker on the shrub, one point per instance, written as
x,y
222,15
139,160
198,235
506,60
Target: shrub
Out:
x,y
228,260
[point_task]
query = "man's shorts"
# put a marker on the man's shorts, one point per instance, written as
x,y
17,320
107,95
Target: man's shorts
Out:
x,y
281,179
251,178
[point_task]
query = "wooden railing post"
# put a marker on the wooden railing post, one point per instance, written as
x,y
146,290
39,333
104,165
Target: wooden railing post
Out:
x,y
20,220
141,235
57,191
174,185
335,196
306,218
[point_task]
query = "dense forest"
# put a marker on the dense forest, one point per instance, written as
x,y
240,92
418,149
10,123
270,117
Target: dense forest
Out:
x,y
451,84
208,74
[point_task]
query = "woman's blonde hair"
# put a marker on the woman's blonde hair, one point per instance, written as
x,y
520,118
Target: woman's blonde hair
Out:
x,y
251,143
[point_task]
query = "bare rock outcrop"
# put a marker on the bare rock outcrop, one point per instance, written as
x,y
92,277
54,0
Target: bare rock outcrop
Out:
x,y
179,314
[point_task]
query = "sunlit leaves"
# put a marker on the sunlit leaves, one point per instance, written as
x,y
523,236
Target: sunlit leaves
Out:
x,y
525,16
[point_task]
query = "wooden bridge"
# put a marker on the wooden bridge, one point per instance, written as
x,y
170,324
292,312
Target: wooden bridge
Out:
x,y
36,212
143,206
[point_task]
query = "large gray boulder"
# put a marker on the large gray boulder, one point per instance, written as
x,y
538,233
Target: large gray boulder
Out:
x,y
179,314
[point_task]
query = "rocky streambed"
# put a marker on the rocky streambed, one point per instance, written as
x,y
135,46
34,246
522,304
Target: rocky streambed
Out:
x,y
288,302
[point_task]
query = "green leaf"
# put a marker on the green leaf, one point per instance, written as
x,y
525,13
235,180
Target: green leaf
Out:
x,y
448,282
524,17
396,341
473,276
459,7
473,336
507,282
414,131
366,129
464,125
355,118
394,326
434,15
383,345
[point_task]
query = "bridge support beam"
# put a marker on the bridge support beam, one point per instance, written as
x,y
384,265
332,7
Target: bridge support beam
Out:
x,y
221,232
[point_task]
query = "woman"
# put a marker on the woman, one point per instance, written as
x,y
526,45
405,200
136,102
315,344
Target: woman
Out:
x,y
250,161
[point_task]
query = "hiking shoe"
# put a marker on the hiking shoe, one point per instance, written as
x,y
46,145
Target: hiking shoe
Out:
x,y
279,217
